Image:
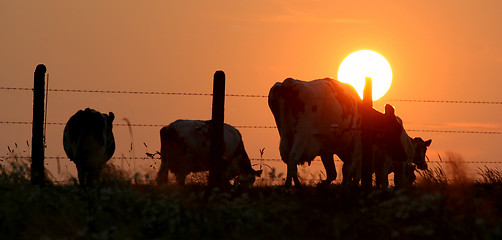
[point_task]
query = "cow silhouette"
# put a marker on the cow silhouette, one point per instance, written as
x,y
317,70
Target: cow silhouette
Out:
x,y
89,142
185,148
323,117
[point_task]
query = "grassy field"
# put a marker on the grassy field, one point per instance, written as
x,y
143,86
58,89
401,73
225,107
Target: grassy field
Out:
x,y
434,208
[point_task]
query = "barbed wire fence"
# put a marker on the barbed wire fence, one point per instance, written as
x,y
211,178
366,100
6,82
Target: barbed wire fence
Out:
x,y
261,127
236,95
247,126
245,96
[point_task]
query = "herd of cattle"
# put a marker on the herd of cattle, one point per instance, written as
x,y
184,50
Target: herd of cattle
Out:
x,y
317,118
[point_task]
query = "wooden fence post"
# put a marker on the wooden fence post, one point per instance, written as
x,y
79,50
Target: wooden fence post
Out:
x,y
37,140
367,137
216,130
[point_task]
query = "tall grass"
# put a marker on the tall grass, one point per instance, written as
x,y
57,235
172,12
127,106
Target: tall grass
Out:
x,y
490,176
128,210
124,206
452,171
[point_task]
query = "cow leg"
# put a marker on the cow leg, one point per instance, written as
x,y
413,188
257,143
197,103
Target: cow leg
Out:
x,y
297,181
378,178
163,175
399,175
349,171
382,180
380,166
289,178
329,165
81,178
385,182
292,175
410,174
180,178
385,177
87,178
83,174
93,177
386,170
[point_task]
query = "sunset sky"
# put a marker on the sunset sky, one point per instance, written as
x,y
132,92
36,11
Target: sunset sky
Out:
x,y
438,50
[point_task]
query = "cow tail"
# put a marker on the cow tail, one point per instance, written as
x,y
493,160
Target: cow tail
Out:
x,y
110,139
163,171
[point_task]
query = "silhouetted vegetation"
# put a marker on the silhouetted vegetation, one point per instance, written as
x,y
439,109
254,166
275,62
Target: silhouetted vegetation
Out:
x,y
121,208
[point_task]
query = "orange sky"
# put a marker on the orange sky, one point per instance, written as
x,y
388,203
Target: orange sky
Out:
x,y
440,50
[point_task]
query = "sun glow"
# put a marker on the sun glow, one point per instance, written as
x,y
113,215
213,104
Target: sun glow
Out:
x,y
366,63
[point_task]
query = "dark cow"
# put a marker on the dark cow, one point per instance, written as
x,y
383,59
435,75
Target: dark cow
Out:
x,y
383,164
88,141
185,147
322,118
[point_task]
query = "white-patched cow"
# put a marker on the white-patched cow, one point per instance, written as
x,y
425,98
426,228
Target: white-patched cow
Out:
x,y
185,148
322,118
88,141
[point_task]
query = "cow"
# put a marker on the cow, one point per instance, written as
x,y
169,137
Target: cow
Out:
x,y
323,117
185,148
383,164
89,142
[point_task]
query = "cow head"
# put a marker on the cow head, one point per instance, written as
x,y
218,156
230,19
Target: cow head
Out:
x,y
247,180
239,167
420,149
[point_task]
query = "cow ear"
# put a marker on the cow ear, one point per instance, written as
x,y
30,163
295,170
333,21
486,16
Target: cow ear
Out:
x,y
428,142
111,116
389,110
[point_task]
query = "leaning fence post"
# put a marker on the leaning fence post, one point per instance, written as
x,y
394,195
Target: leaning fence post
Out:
x,y
216,130
366,136
37,140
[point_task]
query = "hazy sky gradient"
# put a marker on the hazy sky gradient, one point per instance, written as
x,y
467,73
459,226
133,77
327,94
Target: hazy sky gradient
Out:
x,y
438,50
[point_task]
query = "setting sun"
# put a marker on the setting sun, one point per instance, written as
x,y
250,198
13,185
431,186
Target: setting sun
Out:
x,y
366,63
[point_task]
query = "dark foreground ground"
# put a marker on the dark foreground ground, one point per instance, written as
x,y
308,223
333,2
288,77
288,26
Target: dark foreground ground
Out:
x,y
122,210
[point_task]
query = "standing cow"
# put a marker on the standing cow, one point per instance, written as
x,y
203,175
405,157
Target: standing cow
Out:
x,y
322,118
88,141
415,149
185,147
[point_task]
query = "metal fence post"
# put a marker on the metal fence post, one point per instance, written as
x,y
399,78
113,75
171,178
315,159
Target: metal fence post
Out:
x,y
216,130
367,137
37,140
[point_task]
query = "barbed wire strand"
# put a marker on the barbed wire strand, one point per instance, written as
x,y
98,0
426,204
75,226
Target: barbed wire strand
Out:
x,y
442,101
266,127
237,95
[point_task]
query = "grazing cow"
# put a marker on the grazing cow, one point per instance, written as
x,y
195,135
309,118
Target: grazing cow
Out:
x,y
415,149
322,118
185,147
88,141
